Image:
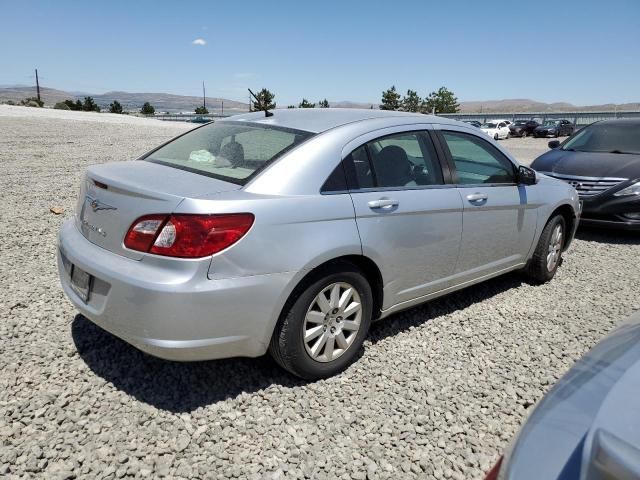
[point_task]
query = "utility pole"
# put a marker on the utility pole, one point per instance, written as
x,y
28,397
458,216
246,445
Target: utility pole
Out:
x,y
204,97
250,109
222,108
37,85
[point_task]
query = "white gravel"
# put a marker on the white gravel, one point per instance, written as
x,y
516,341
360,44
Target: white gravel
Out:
x,y
438,392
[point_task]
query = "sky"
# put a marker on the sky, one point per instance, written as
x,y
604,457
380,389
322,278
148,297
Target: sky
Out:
x,y
579,51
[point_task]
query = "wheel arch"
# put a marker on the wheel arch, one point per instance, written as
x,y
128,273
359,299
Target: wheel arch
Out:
x,y
570,220
368,268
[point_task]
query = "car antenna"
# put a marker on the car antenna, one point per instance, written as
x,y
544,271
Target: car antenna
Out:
x,y
267,113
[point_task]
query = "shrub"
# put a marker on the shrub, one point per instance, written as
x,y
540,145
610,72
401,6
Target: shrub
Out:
x,y
202,110
147,109
115,107
89,105
32,102
61,106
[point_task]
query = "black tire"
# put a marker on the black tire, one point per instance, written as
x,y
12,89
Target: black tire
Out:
x,y
495,137
287,346
537,269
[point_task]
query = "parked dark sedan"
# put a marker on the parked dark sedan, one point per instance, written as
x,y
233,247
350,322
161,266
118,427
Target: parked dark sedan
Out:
x,y
602,162
554,128
474,123
523,128
586,427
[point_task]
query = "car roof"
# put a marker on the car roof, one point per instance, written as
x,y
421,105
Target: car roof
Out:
x,y
621,121
318,120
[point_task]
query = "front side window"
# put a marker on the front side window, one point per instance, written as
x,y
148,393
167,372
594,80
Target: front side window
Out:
x,y
233,152
477,161
400,160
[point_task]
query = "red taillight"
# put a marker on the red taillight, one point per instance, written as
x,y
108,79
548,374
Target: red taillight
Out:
x,y
493,473
187,236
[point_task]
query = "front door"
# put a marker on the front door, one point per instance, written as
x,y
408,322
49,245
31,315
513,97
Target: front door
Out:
x,y
410,222
499,215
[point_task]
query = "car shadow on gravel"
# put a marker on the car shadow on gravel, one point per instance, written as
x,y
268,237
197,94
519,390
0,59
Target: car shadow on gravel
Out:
x,y
616,237
183,387
445,305
174,386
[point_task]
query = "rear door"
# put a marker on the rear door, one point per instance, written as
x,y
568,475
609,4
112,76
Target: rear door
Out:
x,y
499,216
409,220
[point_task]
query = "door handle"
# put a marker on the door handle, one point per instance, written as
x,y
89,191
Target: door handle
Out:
x,y
477,198
383,203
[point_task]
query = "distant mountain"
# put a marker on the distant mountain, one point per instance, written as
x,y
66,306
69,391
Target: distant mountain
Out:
x,y
132,101
525,105
182,103
50,96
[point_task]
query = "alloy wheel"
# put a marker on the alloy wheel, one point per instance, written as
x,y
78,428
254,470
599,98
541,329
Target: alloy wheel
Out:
x,y
332,322
555,248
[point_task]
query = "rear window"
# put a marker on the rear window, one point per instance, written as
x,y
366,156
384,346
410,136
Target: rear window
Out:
x,y
233,152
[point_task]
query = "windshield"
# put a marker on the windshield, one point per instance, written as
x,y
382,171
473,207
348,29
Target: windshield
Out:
x,y
233,152
606,137
488,125
551,123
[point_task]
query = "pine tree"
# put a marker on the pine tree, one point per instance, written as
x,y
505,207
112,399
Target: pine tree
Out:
x,y
306,104
411,101
390,99
442,101
115,107
265,100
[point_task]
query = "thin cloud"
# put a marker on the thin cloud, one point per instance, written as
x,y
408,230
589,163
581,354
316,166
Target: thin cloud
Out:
x,y
199,41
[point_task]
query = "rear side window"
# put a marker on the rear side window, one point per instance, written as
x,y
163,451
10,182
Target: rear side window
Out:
x,y
233,152
400,160
477,161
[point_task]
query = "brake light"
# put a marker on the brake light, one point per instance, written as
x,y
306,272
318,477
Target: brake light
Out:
x,y
188,235
495,471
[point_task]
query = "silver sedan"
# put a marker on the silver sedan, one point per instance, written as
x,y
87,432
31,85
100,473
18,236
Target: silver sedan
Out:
x,y
291,233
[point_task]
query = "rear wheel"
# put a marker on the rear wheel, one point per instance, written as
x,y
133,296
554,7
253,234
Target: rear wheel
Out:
x,y
323,329
548,254
495,137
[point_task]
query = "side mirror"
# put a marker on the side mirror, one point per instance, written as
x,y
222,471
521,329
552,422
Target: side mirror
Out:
x,y
526,175
554,144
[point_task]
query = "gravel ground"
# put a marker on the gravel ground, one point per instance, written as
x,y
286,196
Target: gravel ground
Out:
x,y
437,393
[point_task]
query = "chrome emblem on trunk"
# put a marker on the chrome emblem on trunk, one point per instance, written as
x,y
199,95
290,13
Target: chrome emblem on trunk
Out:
x,y
97,205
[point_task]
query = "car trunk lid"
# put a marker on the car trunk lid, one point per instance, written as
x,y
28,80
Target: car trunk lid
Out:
x,y
114,195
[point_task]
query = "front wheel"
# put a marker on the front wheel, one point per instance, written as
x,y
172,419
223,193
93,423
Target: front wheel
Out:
x,y
321,332
548,254
495,137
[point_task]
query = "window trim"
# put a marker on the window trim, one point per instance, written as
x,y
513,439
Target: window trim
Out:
x,y
423,136
454,172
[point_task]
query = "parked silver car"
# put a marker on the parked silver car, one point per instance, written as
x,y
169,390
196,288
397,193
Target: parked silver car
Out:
x,y
292,232
588,425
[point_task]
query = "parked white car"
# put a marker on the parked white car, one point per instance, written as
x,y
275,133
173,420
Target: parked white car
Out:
x,y
496,129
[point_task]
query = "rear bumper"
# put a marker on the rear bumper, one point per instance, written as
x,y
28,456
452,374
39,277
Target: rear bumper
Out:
x,y
179,315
